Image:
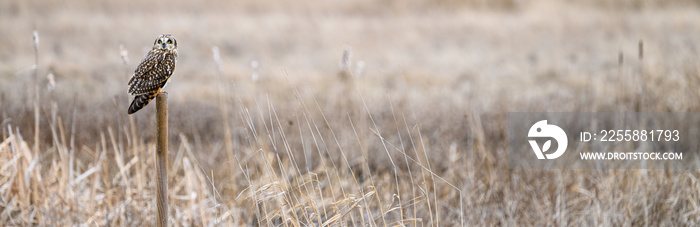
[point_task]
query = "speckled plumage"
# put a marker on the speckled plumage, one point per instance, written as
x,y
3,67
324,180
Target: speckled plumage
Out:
x,y
153,73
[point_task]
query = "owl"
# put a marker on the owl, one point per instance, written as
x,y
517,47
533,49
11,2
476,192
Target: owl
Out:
x,y
153,73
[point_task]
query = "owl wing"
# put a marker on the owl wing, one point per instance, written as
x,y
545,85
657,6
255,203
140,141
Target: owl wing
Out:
x,y
151,74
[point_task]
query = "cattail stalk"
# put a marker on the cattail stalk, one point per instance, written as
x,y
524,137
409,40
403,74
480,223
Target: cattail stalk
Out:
x,y
641,89
35,36
223,102
35,189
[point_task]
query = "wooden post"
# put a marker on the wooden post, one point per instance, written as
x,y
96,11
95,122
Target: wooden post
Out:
x,y
162,158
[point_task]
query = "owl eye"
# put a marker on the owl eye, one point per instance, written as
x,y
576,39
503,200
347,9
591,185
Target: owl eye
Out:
x,y
170,41
160,41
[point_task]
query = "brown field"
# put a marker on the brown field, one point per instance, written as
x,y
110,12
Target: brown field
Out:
x,y
412,133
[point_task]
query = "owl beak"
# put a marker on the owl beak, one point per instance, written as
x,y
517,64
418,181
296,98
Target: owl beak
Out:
x,y
163,45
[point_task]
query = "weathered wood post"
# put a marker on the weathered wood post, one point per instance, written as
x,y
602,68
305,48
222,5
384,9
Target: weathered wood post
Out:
x,y
162,158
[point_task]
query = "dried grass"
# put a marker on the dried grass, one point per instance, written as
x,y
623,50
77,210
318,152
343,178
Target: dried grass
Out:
x,y
416,145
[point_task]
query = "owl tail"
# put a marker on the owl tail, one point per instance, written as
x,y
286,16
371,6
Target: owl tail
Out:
x,y
139,102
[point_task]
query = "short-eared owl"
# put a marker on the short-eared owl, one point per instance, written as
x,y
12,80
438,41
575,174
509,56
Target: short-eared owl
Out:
x,y
153,73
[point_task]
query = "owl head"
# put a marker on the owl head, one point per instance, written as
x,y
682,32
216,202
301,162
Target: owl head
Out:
x,y
165,42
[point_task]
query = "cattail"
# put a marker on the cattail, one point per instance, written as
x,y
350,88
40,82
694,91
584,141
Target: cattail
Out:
x,y
453,155
345,61
255,65
124,53
641,49
51,85
359,68
217,58
620,59
36,39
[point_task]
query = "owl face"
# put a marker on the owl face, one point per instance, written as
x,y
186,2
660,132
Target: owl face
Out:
x,y
165,42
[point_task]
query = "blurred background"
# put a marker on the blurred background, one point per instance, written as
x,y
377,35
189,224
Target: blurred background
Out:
x,y
399,106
